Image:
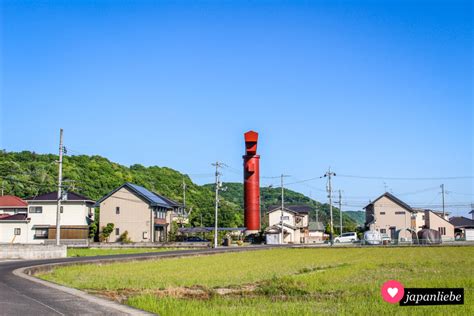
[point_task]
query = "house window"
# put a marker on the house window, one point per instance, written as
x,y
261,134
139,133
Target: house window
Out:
x,y
117,210
382,213
423,217
400,213
160,214
383,231
41,233
17,231
442,230
61,209
117,232
36,209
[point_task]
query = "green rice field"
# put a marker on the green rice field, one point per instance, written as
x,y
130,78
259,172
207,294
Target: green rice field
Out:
x,y
311,281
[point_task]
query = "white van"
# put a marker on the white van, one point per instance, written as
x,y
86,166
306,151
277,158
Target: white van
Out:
x,y
347,237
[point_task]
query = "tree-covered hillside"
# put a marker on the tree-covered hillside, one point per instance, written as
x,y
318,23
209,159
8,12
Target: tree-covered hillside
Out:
x,y
234,193
27,174
357,216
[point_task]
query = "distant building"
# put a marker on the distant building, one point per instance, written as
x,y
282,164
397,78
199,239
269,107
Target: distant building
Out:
x,y
295,220
389,215
463,227
145,215
13,220
316,233
76,214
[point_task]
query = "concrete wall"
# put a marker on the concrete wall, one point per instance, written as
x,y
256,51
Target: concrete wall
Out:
x,y
32,252
134,217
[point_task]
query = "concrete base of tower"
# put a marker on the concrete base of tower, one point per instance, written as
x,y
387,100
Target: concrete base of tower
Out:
x,y
250,232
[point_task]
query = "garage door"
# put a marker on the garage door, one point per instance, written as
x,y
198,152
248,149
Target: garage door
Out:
x,y
470,234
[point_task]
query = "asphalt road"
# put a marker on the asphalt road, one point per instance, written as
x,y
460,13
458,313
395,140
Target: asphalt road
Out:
x,y
19,296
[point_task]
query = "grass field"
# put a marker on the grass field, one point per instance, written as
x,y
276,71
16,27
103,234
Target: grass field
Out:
x,y
89,252
280,281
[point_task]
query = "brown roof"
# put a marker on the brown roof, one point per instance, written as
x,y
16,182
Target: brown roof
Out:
x,y
12,201
303,209
15,217
53,196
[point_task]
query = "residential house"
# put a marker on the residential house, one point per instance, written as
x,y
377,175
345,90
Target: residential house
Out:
x,y
295,221
435,220
316,233
463,227
76,213
390,215
13,220
145,215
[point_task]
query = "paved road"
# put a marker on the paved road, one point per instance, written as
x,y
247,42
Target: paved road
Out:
x,y
19,296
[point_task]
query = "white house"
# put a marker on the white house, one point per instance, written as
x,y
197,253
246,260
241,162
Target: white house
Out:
x,y
77,212
295,221
13,220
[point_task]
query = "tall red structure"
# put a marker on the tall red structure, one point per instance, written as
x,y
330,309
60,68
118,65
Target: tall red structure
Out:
x,y
251,183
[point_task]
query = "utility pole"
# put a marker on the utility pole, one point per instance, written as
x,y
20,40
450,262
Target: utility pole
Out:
x,y
3,186
218,187
329,174
184,203
442,194
340,212
282,207
60,180
184,195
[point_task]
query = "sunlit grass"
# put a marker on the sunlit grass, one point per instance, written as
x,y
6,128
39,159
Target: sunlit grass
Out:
x,y
89,252
289,281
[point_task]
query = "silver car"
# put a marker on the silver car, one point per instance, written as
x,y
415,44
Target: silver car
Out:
x,y
347,237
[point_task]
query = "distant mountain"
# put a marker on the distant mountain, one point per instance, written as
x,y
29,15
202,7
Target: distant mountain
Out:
x,y
357,216
272,196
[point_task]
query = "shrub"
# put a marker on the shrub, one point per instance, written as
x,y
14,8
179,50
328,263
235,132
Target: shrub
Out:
x,y
124,238
106,231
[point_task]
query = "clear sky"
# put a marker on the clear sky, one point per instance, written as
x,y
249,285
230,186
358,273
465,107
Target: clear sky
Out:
x,y
370,88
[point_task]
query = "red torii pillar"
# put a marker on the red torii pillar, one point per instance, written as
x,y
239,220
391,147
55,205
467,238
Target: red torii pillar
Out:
x,y
251,184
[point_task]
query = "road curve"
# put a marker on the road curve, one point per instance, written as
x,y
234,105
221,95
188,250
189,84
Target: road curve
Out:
x,y
21,296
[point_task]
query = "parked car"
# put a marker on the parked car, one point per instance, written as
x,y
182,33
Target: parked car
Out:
x,y
195,239
347,237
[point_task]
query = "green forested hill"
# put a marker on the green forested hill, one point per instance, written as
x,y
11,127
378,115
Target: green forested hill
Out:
x,y
27,174
357,216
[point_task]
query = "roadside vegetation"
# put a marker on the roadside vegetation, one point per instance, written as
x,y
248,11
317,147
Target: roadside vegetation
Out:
x,y
90,252
279,281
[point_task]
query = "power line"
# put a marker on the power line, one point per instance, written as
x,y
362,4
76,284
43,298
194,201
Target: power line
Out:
x,y
406,178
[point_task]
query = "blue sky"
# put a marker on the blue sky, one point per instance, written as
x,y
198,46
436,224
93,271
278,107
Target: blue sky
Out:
x,y
370,88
